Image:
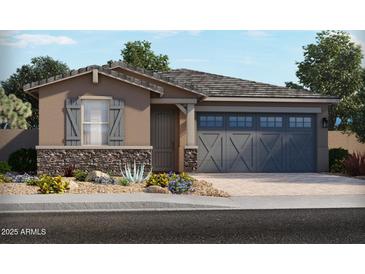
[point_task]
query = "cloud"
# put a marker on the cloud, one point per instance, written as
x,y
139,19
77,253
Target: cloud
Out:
x,y
257,33
25,40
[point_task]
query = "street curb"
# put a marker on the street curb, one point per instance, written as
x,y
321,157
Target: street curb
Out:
x,y
161,202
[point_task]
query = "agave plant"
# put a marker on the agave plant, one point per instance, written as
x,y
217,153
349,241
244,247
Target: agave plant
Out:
x,y
137,176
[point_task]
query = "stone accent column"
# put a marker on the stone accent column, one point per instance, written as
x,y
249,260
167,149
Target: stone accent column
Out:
x,y
54,160
190,158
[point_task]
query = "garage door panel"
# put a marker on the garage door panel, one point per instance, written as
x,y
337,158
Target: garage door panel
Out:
x,y
300,148
270,152
211,147
240,152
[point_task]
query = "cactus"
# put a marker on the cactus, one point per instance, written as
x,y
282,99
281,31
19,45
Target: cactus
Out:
x,y
138,173
13,111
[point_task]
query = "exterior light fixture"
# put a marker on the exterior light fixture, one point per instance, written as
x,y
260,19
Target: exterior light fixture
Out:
x,y
324,123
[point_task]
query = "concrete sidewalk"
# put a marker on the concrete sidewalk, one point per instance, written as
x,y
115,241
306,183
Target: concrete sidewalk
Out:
x,y
162,202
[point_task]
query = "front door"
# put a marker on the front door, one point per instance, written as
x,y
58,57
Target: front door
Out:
x,y
163,136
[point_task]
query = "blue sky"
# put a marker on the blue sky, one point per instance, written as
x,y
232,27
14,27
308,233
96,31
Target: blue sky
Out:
x,y
265,56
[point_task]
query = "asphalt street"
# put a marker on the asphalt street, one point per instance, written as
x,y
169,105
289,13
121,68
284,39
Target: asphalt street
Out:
x,y
341,225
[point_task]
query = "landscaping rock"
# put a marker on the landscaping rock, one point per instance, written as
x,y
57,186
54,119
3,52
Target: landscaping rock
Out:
x,y
156,189
92,175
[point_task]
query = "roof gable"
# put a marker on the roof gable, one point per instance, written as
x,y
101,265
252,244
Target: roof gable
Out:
x,y
101,70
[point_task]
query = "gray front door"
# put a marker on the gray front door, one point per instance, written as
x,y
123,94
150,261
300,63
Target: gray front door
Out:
x,y
244,142
163,135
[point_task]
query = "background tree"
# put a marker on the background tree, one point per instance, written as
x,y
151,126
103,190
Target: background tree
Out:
x,y
293,85
39,68
332,66
13,111
358,119
139,54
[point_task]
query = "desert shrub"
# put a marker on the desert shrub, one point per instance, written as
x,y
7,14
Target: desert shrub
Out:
x,y
80,175
4,167
336,158
355,164
184,176
50,185
20,178
179,185
23,160
68,171
158,179
123,181
4,179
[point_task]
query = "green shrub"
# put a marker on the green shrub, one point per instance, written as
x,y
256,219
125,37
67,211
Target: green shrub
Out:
x,y
336,158
4,179
159,179
80,175
32,182
123,182
4,167
50,185
23,160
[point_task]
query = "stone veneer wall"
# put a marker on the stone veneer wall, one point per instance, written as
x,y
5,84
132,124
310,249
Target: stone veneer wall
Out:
x,y
190,159
53,161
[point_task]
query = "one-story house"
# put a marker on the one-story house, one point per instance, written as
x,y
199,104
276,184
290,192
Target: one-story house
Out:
x,y
103,117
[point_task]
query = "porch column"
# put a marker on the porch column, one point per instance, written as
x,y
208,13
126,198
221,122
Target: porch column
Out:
x,y
190,125
191,150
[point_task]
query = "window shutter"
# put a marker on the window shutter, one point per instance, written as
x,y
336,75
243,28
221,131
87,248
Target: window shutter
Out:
x,y
73,122
116,123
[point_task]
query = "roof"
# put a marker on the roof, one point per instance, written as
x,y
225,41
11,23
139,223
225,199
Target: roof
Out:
x,y
202,83
157,76
103,70
213,85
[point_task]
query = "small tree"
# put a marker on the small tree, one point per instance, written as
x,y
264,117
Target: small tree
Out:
x,y
139,54
13,111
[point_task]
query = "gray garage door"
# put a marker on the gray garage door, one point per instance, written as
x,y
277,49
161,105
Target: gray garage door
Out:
x,y
243,142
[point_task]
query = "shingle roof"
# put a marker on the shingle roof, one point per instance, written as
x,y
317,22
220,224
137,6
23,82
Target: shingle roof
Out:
x,y
102,69
214,85
158,76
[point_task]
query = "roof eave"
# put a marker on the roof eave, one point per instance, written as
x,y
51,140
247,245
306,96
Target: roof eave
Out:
x,y
273,99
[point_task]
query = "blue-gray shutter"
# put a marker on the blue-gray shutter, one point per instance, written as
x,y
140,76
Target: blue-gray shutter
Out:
x,y
116,122
73,122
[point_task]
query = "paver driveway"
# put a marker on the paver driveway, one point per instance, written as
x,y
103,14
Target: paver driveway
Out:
x,y
256,184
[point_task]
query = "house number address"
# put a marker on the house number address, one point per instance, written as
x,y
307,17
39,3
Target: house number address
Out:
x,y
23,231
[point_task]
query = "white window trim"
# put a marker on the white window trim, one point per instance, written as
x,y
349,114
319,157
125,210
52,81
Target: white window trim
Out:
x,y
86,98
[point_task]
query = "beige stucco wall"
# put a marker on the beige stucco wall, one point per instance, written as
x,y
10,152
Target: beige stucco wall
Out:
x,y
14,139
52,107
338,139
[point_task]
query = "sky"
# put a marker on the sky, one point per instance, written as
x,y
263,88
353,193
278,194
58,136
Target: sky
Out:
x,y
263,56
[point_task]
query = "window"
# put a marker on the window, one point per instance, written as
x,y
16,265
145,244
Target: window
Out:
x,y
300,122
95,122
271,122
239,121
211,121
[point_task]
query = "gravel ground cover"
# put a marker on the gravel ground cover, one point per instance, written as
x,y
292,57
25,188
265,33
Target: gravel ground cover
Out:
x,y
200,188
